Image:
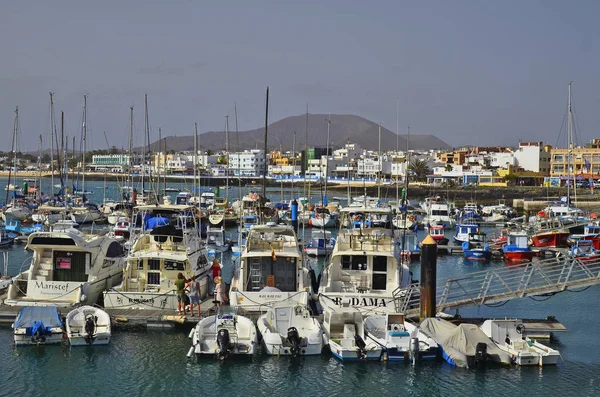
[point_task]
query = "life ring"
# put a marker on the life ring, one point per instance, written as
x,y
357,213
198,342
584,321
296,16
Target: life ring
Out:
x,y
542,214
411,218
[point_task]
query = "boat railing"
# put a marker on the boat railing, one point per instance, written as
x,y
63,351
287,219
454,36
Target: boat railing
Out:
x,y
160,242
370,241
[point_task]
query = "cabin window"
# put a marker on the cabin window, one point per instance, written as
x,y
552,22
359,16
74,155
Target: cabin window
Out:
x,y
70,266
354,262
174,265
153,264
114,250
153,278
380,263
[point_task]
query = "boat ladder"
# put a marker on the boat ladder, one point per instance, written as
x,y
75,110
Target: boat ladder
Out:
x,y
255,274
541,277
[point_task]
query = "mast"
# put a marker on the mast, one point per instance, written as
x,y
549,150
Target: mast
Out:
x,y
227,156
379,166
327,158
52,133
39,184
348,165
294,165
305,157
62,148
404,203
160,166
195,158
84,147
397,148
14,153
130,160
570,156
264,178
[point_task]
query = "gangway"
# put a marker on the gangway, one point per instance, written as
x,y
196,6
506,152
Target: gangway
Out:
x,y
543,277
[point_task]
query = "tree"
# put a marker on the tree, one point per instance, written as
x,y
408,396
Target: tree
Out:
x,y
418,170
510,179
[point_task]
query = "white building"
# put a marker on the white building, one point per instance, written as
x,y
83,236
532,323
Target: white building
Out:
x,y
532,156
502,159
247,163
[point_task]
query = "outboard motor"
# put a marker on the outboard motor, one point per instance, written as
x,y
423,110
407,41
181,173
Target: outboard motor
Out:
x,y
362,347
293,338
37,332
224,344
90,328
414,348
481,355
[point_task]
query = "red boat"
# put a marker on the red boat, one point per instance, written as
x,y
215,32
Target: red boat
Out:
x,y
517,249
437,233
551,239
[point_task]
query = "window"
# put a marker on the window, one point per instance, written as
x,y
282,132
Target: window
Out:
x,y
380,264
153,264
154,278
174,265
354,262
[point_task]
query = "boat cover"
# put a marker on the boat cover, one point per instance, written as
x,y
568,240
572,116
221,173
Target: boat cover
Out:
x,y
38,318
460,342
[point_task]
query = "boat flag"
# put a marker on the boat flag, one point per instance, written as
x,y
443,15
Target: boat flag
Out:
x,y
273,256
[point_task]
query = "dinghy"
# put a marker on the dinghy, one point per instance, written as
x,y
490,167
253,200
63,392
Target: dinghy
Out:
x,y
288,329
36,325
88,325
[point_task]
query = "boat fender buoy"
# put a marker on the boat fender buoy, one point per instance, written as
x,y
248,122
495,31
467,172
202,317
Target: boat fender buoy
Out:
x,y
121,319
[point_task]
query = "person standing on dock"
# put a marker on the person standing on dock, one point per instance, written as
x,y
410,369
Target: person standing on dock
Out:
x,y
180,292
193,290
220,296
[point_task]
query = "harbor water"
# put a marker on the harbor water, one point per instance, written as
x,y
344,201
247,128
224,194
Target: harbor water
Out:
x,y
154,363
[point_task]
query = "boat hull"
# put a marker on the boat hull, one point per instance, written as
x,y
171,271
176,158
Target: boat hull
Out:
x,y
373,353
551,239
478,255
518,256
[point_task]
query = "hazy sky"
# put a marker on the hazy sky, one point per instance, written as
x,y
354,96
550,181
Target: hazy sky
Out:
x,y
470,72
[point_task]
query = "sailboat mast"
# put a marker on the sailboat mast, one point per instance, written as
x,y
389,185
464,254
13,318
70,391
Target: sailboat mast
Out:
x,y
195,158
305,157
379,166
52,143
39,184
227,156
569,146
130,160
84,147
264,176
14,153
571,160
327,156
397,147
294,163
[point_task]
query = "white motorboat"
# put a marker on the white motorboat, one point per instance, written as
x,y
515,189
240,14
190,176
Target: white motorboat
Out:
x,y
87,214
343,332
271,269
401,340
18,210
322,218
88,325
122,229
438,212
321,243
509,335
64,225
167,243
215,239
68,268
49,215
38,325
288,329
464,345
364,269
222,336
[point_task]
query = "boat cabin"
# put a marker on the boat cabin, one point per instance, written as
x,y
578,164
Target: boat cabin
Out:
x,y
518,240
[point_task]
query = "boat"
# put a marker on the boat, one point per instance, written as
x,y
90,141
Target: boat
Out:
x,y
216,219
224,335
438,234
462,232
215,239
88,325
549,232
68,269
5,240
590,232
49,215
343,332
517,249
409,245
17,228
16,210
172,189
584,251
320,244
288,329
364,269
407,220
64,225
38,326
322,218
271,269
249,220
464,345
118,211
400,339
122,229
477,249
166,242
87,213
508,335
438,212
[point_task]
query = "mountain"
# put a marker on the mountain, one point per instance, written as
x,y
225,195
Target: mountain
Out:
x,y
344,128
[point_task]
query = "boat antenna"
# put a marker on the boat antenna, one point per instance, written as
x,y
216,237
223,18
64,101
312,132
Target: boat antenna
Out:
x,y
264,176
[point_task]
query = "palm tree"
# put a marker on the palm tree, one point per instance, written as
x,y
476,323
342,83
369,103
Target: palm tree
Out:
x,y
418,170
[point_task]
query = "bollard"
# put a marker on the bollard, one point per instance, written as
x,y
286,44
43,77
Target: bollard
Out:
x,y
428,277
295,215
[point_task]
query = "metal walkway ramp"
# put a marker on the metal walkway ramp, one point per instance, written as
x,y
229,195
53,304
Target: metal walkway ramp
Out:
x,y
544,277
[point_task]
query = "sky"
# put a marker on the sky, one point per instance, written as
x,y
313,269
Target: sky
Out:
x,y
469,72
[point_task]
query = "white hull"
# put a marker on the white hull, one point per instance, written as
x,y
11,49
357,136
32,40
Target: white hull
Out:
x,y
77,332
372,353
16,214
243,340
323,221
318,251
52,339
86,217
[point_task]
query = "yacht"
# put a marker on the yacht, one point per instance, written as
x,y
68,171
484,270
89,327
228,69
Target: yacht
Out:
x,y
364,270
165,242
438,213
321,243
49,215
271,269
68,268
215,239
88,213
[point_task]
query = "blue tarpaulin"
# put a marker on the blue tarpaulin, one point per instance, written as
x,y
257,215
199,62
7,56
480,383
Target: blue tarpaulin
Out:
x,y
38,317
154,222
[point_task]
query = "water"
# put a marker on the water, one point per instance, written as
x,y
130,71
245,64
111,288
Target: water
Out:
x,y
154,363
